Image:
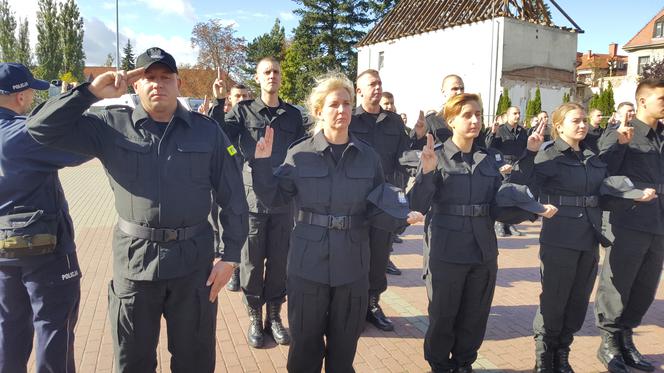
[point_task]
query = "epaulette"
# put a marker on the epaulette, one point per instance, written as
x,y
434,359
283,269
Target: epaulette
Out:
x,y
299,141
205,116
119,108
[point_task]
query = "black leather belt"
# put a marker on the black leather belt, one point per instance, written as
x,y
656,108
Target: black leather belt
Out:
x,y
330,221
160,234
658,187
574,201
462,210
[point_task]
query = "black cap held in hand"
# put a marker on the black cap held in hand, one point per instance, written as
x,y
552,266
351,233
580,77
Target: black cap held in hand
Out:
x,y
620,186
156,55
392,201
518,196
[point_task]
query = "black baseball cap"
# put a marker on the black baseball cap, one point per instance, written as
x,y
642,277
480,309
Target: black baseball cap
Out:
x,y
392,201
515,195
15,77
620,186
156,55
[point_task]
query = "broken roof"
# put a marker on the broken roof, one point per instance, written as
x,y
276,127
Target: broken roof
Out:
x,y
412,17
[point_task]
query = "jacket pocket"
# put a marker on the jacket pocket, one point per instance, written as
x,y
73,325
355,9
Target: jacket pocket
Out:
x,y
195,156
126,159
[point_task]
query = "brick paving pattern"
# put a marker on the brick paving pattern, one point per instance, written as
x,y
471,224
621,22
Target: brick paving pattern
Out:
x,y
508,345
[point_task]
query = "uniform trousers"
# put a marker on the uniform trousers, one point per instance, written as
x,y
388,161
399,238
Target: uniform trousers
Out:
x,y
325,324
460,298
567,278
41,299
380,245
135,309
264,258
628,281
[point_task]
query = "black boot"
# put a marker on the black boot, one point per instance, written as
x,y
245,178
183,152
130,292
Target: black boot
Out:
x,y
609,353
561,361
376,316
543,358
631,355
274,325
392,269
255,333
234,283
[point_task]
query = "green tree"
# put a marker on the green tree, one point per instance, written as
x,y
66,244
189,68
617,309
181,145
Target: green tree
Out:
x,y
272,44
128,59
7,36
297,71
533,107
604,102
504,102
566,97
71,39
109,60
653,70
48,51
379,9
23,53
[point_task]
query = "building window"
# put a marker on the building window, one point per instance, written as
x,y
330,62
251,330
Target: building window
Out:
x,y
381,60
659,29
643,61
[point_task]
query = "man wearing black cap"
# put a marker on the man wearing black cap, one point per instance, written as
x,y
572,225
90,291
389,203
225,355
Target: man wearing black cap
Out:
x,y
39,272
163,163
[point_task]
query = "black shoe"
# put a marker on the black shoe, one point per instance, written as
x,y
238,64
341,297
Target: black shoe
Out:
x,y
464,369
274,326
392,269
234,283
631,355
515,232
255,333
609,354
376,316
543,358
397,239
500,230
561,361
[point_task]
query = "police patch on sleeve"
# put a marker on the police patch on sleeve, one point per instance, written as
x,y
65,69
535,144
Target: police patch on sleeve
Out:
x,y
231,150
498,158
402,198
530,194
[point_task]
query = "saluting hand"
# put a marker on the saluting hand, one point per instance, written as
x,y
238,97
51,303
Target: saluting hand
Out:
x,y
415,217
420,129
648,195
112,84
549,212
428,158
536,139
219,85
625,131
264,145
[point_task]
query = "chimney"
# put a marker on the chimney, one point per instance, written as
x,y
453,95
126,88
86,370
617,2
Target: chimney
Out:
x,y
589,53
613,49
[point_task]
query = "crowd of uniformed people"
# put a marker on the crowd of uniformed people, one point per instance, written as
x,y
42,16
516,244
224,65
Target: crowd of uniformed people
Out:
x,y
254,195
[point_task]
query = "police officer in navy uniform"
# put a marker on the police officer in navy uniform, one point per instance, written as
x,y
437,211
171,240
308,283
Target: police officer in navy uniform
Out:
x,y
39,271
163,163
331,176
384,131
633,265
457,186
263,267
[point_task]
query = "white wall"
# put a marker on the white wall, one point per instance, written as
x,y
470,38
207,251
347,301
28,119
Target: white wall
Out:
x,y
414,66
633,59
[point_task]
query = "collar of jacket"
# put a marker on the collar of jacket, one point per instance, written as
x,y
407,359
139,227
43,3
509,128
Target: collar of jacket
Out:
x,y
450,150
7,113
381,115
257,105
139,115
320,142
563,147
643,130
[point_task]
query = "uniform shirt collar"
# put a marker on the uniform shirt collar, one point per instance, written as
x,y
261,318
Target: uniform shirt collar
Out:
x,y
139,115
258,105
382,114
563,147
7,112
450,149
320,142
642,129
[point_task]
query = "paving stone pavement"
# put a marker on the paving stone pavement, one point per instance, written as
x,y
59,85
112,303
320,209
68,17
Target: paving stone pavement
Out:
x,y
508,345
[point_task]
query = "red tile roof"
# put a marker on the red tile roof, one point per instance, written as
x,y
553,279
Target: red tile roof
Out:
x,y
644,38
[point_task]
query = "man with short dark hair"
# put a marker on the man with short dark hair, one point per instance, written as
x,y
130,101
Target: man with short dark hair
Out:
x,y
511,140
384,131
264,255
39,272
387,102
163,163
434,122
594,130
633,265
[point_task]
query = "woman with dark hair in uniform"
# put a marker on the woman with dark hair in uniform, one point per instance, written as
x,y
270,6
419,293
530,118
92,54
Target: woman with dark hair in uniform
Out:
x,y
330,175
457,185
568,175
